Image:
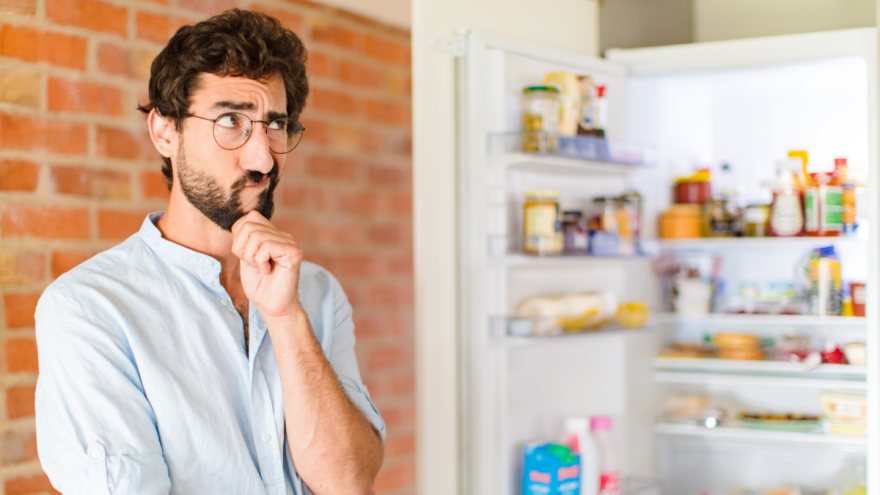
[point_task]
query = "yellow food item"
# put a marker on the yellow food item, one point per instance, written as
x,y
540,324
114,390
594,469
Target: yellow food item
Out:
x,y
568,313
845,408
633,314
737,342
570,91
741,354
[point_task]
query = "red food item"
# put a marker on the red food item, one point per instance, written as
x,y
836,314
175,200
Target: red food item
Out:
x,y
833,355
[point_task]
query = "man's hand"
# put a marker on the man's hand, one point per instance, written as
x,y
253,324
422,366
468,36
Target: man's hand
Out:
x,y
270,262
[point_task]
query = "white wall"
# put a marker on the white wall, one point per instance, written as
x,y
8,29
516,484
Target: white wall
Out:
x,y
563,24
733,19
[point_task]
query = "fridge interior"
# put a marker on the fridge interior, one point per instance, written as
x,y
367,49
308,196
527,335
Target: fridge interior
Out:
x,y
747,117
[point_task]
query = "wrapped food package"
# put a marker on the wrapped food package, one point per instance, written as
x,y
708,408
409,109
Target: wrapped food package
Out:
x,y
554,315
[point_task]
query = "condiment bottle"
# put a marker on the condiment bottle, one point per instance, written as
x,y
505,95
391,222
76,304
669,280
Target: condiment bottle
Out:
x,y
787,208
848,186
823,206
542,226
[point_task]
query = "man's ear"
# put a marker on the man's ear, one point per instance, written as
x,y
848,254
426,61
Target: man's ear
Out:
x,y
162,133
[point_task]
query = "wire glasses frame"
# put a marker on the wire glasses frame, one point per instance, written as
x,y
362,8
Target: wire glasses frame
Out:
x,y
232,130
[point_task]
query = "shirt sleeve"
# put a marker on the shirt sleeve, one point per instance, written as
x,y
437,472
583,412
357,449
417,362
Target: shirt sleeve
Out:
x,y
344,362
96,431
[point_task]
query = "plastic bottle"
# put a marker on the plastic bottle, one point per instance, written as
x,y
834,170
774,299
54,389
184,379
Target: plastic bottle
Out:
x,y
823,205
848,185
609,465
787,208
578,438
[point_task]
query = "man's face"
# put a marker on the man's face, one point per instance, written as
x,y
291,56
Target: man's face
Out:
x,y
225,184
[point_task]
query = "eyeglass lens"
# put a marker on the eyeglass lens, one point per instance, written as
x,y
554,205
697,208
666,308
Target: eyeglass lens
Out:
x,y
231,131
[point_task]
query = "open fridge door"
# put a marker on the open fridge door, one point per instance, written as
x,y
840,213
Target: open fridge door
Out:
x,y
517,386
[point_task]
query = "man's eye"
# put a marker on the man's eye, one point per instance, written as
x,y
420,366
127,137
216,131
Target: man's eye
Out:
x,y
227,121
277,125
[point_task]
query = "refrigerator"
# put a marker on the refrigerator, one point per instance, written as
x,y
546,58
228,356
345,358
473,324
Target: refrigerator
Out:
x,y
744,103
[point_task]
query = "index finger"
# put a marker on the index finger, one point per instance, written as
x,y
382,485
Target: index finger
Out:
x,y
251,216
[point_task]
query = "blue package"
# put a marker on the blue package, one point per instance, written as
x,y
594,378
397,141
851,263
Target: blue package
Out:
x,y
604,243
550,469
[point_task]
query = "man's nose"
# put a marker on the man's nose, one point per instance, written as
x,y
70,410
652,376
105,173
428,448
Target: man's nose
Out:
x,y
256,151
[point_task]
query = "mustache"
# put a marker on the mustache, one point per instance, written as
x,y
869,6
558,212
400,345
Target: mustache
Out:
x,y
255,176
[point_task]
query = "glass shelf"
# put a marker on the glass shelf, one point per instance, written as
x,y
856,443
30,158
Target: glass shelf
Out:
x,y
764,320
705,243
758,436
511,330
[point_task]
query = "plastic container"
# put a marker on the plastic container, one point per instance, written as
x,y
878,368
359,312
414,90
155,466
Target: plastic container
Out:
x,y
680,221
757,220
542,226
578,438
609,464
787,208
825,291
575,232
823,206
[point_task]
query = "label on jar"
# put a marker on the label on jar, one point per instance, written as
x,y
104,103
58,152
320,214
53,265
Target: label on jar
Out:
x,y
786,218
811,208
541,229
832,208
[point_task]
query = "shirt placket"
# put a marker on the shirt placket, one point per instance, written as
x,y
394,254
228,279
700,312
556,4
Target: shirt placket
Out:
x,y
269,450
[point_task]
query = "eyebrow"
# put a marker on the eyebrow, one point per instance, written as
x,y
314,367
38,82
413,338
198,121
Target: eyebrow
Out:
x,y
241,106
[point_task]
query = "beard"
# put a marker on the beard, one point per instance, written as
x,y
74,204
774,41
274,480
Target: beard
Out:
x,y
203,192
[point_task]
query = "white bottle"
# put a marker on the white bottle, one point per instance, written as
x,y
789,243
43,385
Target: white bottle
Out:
x,y
577,437
609,465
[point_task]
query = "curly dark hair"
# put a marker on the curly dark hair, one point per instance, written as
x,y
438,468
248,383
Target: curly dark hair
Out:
x,y
238,43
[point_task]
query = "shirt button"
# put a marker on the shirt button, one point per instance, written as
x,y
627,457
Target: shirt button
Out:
x,y
209,263
96,454
224,302
267,437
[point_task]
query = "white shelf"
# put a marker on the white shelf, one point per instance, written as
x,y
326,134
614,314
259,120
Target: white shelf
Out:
x,y
560,165
745,434
763,320
712,365
684,377
565,339
573,260
754,242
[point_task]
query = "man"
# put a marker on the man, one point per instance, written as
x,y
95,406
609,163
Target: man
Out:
x,y
202,355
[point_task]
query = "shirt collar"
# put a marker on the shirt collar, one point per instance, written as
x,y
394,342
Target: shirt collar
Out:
x,y
205,267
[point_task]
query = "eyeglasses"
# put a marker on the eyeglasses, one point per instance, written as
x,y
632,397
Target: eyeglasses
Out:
x,y
232,130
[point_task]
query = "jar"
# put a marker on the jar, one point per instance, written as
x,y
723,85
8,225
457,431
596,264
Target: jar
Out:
x,y
609,219
695,193
757,220
541,114
542,232
680,222
719,220
575,232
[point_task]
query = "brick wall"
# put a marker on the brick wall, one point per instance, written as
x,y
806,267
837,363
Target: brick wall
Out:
x,y
78,173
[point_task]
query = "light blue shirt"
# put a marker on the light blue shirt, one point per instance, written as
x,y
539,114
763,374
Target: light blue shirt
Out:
x,y
145,386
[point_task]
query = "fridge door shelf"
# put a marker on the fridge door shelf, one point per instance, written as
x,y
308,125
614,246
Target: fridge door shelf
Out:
x,y
710,243
764,368
639,485
506,250
750,380
524,330
569,155
742,320
760,436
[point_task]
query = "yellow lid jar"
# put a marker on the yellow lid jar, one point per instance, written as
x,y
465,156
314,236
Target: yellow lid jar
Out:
x,y
542,223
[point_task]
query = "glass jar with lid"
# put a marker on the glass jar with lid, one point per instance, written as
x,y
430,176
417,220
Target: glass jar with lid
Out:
x,y
541,113
542,223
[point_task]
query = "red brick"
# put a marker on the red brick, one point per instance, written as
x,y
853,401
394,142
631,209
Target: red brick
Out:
x,y
387,357
93,15
334,34
333,101
371,141
295,226
320,64
313,198
356,265
382,175
18,175
359,75
64,95
400,145
398,416
209,7
403,444
17,447
20,309
385,50
333,168
401,265
396,386
361,203
82,181
153,27
388,113
31,133
25,267
391,296
400,203
28,485
35,45
154,186
389,234
117,143
21,355
394,477
376,325
288,19
20,402
316,131
64,261
115,224
20,7
337,232
113,59
45,221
